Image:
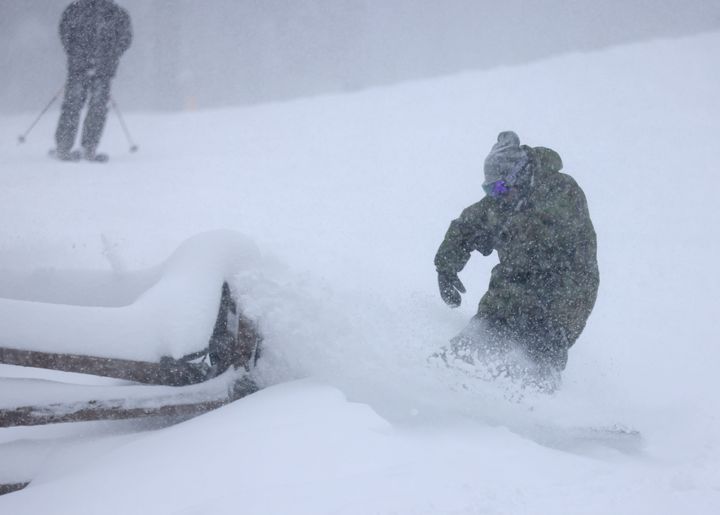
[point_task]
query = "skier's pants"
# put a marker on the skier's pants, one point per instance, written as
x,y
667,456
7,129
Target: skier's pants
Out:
x,y
546,346
80,84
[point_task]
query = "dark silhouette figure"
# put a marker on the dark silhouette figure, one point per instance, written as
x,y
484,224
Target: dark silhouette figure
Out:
x,y
543,289
94,33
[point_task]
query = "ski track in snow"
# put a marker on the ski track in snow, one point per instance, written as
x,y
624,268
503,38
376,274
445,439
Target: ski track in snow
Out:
x,y
347,198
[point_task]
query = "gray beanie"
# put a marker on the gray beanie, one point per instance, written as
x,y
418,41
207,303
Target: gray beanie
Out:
x,y
506,159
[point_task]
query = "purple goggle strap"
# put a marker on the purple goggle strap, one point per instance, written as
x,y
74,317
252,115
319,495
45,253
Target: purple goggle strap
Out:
x,y
499,188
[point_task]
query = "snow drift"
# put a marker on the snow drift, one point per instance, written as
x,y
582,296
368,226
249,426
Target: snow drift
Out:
x,y
348,197
173,315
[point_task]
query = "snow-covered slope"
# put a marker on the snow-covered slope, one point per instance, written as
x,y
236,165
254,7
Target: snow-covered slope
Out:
x,y
347,198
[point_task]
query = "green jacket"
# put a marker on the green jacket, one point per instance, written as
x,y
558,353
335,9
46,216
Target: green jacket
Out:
x,y
547,276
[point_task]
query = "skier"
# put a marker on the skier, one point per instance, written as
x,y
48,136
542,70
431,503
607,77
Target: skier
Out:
x,y
94,33
543,289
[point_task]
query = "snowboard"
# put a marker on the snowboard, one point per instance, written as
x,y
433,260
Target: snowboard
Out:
x,y
619,437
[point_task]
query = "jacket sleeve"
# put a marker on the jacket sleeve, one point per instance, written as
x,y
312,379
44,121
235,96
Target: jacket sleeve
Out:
x,y
124,31
581,226
67,27
470,231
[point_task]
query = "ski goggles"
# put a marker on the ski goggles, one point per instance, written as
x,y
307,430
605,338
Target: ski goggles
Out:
x,y
496,189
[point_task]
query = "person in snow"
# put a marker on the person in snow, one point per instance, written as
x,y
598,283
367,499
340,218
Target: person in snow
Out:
x,y
543,289
94,34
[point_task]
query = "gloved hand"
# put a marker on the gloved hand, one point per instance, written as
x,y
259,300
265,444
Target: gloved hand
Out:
x,y
450,288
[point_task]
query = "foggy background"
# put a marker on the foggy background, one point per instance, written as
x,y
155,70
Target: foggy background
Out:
x,y
189,54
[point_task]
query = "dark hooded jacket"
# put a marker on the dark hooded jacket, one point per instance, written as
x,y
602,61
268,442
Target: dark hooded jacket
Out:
x,y
547,278
95,33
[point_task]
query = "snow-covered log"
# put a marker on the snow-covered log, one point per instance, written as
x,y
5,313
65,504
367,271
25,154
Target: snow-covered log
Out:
x,y
233,342
172,317
71,403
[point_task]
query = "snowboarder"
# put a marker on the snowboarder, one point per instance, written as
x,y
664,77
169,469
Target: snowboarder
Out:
x,y
543,289
94,33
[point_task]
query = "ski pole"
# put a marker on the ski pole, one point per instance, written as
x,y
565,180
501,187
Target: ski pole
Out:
x,y
23,137
133,146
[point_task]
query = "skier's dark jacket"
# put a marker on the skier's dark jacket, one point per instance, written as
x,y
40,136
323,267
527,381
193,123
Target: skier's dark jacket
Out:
x,y
547,278
95,33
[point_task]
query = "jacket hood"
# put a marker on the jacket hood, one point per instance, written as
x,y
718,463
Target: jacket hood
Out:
x,y
547,160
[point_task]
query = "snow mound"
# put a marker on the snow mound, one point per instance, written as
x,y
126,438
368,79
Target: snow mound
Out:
x,y
174,316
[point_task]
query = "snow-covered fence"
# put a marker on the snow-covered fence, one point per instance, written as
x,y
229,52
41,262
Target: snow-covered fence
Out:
x,y
184,329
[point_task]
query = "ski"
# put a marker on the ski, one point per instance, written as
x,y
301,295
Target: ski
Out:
x,y
77,155
97,158
72,156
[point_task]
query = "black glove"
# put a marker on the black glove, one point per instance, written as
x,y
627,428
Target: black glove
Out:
x,y
450,288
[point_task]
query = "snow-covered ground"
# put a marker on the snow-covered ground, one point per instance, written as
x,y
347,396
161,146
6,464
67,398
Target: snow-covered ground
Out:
x,y
347,198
